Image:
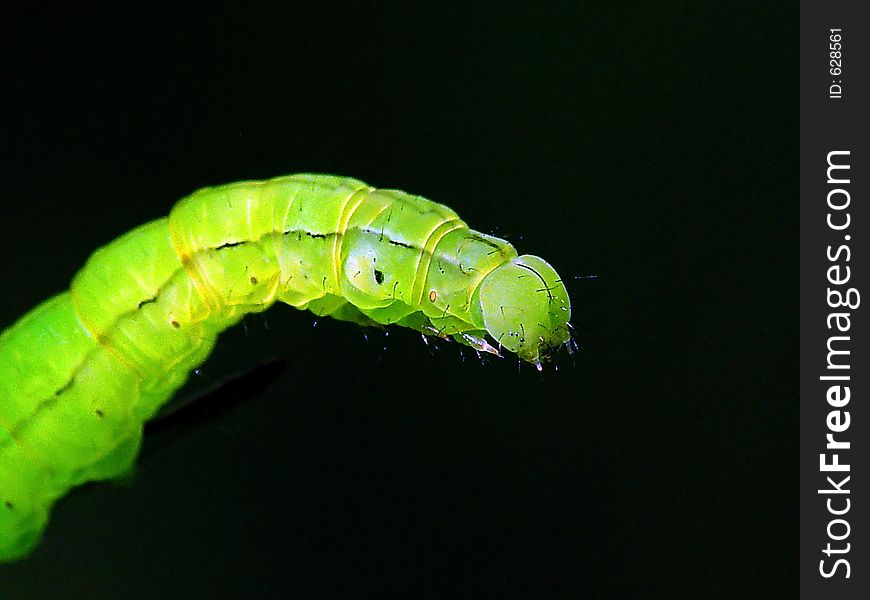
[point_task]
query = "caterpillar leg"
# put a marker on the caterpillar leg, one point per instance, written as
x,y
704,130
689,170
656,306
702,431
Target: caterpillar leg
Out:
x,y
449,328
477,342
339,308
403,315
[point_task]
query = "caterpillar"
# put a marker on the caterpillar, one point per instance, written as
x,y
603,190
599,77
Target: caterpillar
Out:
x,y
82,372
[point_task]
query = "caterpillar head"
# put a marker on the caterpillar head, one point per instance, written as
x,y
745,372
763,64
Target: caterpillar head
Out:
x,y
525,308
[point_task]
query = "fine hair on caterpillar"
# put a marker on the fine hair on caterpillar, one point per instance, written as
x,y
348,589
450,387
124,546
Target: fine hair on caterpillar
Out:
x,y
82,372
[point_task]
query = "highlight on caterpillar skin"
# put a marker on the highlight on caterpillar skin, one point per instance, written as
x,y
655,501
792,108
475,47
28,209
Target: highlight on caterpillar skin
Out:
x,y
82,372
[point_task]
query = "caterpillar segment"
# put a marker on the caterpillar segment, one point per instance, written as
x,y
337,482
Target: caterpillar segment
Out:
x,y
82,372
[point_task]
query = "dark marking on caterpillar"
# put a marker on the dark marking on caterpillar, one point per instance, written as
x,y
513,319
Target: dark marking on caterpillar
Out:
x,y
228,245
65,386
146,301
379,276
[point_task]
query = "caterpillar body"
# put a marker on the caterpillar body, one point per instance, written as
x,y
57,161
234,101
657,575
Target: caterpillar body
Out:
x,y
82,372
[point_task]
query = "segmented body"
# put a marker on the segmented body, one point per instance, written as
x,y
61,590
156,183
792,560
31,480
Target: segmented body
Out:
x,y
82,372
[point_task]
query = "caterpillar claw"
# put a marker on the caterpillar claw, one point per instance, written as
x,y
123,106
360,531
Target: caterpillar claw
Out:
x,y
480,344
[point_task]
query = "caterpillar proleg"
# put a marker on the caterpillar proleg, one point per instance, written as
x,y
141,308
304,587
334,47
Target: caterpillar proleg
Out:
x,y
82,372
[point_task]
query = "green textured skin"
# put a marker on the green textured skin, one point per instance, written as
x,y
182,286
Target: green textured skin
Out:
x,y
82,372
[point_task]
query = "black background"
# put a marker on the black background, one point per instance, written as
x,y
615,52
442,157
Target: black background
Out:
x,y
653,147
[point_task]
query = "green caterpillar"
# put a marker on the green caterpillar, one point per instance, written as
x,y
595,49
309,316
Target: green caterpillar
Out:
x,y
82,372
